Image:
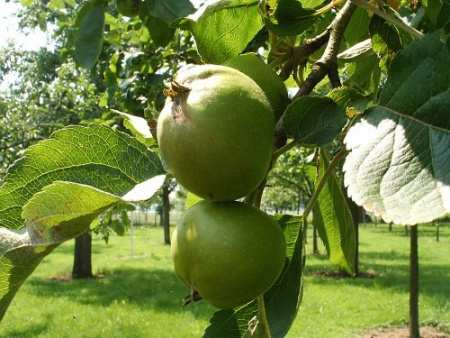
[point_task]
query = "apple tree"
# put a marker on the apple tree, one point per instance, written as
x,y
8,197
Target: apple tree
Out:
x,y
369,89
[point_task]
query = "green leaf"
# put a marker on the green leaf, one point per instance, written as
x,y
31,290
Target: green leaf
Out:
x,y
312,3
224,28
385,37
290,17
26,3
169,10
314,120
56,5
90,24
15,266
348,96
353,101
333,219
160,32
437,11
48,214
191,200
61,211
159,16
231,323
64,210
138,127
443,19
55,211
269,81
358,27
360,49
282,300
98,156
118,227
364,73
399,164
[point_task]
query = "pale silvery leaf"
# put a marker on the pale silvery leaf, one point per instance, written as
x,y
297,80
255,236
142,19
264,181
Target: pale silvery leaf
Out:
x,y
399,161
145,190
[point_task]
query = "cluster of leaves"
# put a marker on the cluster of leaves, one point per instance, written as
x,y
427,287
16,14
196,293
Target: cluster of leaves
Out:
x,y
114,220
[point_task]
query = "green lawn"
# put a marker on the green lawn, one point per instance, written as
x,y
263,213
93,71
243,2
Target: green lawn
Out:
x,y
140,296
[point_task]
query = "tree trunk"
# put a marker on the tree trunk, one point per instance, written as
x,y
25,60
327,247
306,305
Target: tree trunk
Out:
x,y
414,285
390,226
437,232
166,213
315,241
82,263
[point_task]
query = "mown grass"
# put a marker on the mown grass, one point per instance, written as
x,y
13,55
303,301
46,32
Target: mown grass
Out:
x,y
141,297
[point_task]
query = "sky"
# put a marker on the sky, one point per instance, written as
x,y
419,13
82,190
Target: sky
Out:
x,y
9,29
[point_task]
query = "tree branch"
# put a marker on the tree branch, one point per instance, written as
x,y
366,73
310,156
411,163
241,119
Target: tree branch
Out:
x,y
300,54
297,186
329,58
333,75
281,150
326,65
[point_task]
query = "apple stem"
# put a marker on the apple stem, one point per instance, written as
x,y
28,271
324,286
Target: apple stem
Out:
x,y
263,317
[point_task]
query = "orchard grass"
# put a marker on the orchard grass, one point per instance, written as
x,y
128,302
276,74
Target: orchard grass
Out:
x,y
141,297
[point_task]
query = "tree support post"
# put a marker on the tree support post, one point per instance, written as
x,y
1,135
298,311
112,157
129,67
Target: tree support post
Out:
x,y
414,331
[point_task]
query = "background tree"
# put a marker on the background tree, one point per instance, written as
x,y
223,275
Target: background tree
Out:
x,y
165,206
288,187
43,93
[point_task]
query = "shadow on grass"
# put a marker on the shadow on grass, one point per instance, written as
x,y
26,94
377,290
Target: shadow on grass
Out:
x,y
156,289
434,279
31,331
425,231
69,249
386,256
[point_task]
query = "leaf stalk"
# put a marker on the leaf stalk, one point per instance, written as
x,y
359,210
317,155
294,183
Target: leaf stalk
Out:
x,y
392,17
262,315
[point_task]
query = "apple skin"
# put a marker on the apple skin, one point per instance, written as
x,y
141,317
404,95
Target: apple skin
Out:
x,y
229,252
216,132
253,66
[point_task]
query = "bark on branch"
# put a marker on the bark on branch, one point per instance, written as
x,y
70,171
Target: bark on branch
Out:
x,y
327,63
